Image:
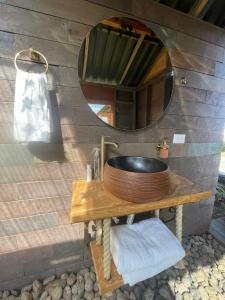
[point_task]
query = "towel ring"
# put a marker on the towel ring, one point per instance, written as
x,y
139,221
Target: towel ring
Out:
x,y
34,55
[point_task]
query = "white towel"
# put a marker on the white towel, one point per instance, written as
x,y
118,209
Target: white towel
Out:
x,y
144,249
31,108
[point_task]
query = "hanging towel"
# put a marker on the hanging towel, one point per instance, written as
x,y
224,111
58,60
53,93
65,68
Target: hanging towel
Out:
x,y
31,108
144,249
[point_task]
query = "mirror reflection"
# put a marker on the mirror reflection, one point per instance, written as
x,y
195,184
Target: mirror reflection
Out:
x,y
125,73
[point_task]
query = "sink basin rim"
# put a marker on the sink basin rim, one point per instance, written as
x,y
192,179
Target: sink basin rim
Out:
x,y
163,164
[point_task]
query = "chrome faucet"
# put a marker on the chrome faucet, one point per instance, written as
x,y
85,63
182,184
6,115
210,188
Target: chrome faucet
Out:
x,y
103,143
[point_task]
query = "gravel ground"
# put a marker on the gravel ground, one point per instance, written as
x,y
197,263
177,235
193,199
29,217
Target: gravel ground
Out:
x,y
202,276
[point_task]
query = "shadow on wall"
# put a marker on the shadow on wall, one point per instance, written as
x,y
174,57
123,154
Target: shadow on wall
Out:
x,y
26,265
43,150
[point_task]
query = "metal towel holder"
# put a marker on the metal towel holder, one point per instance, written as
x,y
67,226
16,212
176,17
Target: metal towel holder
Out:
x,y
34,55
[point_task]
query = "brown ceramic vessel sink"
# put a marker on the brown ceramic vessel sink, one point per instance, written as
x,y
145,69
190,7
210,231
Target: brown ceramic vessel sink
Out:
x,y
136,179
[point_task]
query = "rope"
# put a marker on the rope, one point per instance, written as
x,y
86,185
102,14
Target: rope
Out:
x,y
157,213
98,232
106,249
179,217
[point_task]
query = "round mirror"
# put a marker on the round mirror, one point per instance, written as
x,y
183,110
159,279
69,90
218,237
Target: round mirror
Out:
x,y
125,73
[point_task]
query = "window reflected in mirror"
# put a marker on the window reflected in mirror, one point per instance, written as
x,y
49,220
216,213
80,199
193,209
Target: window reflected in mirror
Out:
x,y
125,73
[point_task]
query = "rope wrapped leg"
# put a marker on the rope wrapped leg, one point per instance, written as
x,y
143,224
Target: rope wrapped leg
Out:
x,y
98,232
179,228
157,213
106,249
179,217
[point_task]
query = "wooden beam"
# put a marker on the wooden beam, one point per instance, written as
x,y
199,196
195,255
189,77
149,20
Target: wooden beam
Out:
x,y
116,25
198,7
159,65
136,48
85,56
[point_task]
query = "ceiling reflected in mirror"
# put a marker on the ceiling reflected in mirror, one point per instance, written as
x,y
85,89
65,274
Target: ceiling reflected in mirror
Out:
x,y
125,73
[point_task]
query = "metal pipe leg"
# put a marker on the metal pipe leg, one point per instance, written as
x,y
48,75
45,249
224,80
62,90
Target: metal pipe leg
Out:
x,y
157,213
98,232
179,219
106,249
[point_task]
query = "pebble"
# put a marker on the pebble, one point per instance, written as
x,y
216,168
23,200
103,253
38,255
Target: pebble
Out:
x,y
211,291
55,292
132,296
88,295
126,294
80,289
202,292
75,289
92,276
14,293
137,292
37,285
165,293
199,276
221,268
44,295
27,288
148,294
26,296
48,280
88,285
96,289
187,296
152,283
181,288
120,295
64,276
71,279
83,271
5,294
67,293
37,288
76,297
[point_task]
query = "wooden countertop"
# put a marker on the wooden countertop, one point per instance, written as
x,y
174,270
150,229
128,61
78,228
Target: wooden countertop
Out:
x,y
90,200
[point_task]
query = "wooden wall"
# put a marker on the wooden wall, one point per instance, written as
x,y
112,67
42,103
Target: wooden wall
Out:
x,y
36,238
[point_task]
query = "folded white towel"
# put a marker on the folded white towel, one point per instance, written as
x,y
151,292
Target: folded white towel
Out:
x,y
31,108
144,249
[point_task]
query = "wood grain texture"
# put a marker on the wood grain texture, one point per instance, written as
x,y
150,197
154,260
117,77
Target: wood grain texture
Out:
x,y
136,187
79,10
56,75
196,46
193,62
200,80
57,53
32,24
91,201
105,286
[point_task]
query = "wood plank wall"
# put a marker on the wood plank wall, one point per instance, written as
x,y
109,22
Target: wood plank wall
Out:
x,y
35,179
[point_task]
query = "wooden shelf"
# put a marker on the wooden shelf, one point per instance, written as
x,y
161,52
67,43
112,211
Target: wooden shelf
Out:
x,y
90,200
105,286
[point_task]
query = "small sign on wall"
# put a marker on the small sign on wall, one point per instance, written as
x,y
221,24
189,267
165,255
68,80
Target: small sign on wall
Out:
x,y
178,138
